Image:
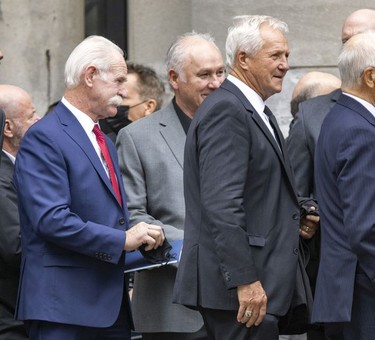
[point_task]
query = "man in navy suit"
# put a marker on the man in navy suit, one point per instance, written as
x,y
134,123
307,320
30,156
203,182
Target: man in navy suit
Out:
x,y
345,183
239,260
303,137
73,215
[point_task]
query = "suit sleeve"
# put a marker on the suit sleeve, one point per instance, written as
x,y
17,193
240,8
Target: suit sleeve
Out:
x,y
224,148
135,184
356,184
300,155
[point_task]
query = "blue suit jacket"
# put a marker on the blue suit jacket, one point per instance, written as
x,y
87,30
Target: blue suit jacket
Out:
x,y
345,182
71,224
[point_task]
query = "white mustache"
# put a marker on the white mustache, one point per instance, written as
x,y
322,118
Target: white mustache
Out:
x,y
116,100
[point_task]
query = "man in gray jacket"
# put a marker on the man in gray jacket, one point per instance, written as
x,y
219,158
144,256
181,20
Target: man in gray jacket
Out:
x,y
151,159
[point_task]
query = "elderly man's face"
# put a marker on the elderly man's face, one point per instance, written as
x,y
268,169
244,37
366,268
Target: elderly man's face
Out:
x,y
268,67
109,89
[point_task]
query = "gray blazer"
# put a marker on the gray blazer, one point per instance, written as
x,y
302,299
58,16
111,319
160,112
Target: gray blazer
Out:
x,y
151,159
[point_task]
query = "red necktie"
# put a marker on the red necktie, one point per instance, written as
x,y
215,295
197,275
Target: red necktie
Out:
x,y
107,157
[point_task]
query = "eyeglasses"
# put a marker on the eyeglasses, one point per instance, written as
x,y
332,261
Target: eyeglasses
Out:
x,y
130,107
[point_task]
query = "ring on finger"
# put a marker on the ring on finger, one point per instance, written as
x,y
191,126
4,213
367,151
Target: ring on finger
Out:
x,y
248,313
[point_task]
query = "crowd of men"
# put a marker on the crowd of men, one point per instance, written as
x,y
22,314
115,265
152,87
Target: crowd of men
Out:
x,y
278,236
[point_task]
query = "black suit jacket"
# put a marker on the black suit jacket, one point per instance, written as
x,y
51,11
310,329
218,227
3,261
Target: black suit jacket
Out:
x,y
10,253
303,136
301,143
242,215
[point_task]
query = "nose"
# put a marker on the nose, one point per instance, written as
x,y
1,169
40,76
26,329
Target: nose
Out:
x,y
1,55
123,92
284,64
214,82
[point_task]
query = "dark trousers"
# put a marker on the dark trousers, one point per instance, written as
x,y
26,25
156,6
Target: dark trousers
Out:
x,y
44,330
200,335
223,325
362,324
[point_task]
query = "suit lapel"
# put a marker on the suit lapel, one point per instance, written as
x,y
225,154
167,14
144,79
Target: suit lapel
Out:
x,y
73,128
356,106
262,126
173,133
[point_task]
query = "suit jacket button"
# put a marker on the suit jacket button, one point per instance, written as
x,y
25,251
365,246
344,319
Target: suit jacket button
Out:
x,y
122,221
295,216
295,251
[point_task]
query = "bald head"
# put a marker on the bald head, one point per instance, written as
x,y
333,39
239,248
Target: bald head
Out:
x,y
313,84
20,114
358,22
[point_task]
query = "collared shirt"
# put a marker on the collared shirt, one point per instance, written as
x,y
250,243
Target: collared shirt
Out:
x,y
365,103
255,100
185,120
11,157
88,125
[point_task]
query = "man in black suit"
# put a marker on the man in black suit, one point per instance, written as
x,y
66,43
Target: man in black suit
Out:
x,y
242,226
20,114
303,137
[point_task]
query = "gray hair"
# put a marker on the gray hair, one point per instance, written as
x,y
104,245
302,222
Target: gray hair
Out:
x,y
177,53
357,54
244,35
94,50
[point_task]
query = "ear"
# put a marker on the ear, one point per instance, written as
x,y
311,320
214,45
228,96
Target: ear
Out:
x,y
369,77
173,77
8,128
89,75
150,106
242,58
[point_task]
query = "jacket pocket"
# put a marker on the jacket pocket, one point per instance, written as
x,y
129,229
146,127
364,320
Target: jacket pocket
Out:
x,y
256,241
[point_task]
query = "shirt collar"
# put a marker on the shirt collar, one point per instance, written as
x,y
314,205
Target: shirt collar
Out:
x,y
365,103
253,97
86,122
184,119
10,156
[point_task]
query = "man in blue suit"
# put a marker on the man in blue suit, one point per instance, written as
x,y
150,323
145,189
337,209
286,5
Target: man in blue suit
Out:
x,y
73,215
345,183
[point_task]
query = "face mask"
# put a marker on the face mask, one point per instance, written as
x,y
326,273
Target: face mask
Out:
x,y
119,121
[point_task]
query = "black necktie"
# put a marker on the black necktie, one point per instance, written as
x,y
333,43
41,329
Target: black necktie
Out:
x,y
274,126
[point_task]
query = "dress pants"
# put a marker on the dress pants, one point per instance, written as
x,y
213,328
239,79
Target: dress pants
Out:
x,y
199,335
223,325
45,330
362,324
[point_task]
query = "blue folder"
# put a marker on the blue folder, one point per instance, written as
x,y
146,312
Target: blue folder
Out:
x,y
134,261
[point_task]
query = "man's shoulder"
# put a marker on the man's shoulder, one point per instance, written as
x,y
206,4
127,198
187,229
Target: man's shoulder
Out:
x,y
152,120
320,103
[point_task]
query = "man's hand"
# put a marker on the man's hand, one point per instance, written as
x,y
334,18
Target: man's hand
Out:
x,y
143,233
253,304
308,226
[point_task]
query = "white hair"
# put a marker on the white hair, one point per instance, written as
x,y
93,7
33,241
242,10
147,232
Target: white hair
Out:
x,y
94,50
244,35
356,55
